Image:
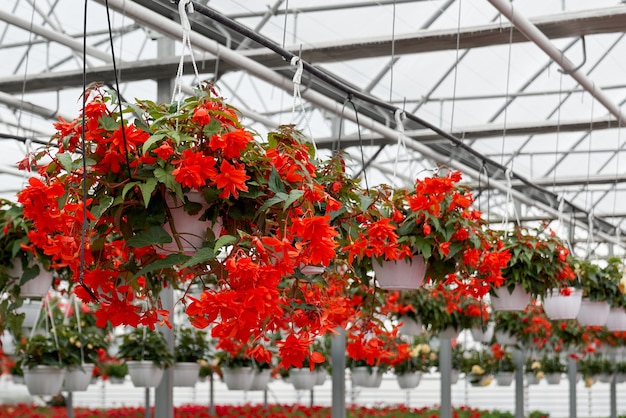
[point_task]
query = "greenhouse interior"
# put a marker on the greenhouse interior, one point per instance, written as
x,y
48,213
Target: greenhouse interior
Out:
x,y
349,208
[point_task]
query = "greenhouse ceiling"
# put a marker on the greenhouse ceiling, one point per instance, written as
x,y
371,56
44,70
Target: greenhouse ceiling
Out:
x,y
524,98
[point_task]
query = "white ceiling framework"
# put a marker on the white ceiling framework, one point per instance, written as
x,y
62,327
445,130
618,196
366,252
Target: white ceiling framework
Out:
x,y
479,96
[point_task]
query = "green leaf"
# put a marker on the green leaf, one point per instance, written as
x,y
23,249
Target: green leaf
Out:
x,y
66,161
154,235
164,263
105,203
293,196
127,187
202,256
146,190
109,123
280,197
148,144
275,182
365,203
223,241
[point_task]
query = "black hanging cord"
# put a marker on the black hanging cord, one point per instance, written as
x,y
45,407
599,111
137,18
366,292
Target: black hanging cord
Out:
x,y
287,55
117,89
83,238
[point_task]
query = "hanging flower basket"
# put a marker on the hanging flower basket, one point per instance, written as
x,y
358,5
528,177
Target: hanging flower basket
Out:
x,y
238,378
320,377
44,380
302,378
562,304
144,373
483,335
593,314
454,376
616,321
77,380
410,326
38,286
405,274
505,338
31,310
531,378
186,374
504,378
409,380
504,300
553,378
367,377
189,229
261,379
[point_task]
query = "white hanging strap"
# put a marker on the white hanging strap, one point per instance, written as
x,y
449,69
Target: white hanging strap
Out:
x,y
509,199
184,7
78,327
297,96
590,237
561,223
399,116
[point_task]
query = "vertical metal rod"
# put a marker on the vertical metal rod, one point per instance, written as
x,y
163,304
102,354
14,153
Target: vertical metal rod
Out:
x,y
613,386
164,394
212,396
146,413
445,368
69,403
571,374
312,397
518,357
338,360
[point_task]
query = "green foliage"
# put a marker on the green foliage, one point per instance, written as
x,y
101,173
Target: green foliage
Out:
x,y
553,364
600,283
42,350
115,369
146,344
191,345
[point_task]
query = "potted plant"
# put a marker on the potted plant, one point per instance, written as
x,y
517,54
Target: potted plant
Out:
x,y
115,371
479,367
539,263
508,327
236,368
43,361
410,364
553,367
590,367
191,346
600,289
146,355
263,209
533,371
504,365
431,229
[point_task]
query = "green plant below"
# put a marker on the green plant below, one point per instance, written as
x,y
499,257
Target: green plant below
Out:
x,y
146,344
191,345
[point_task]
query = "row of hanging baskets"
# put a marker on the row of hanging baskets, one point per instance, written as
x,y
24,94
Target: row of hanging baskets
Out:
x,y
273,234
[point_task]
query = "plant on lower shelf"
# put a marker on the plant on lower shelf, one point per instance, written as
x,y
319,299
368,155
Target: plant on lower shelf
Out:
x,y
415,357
146,344
114,368
503,359
552,363
479,367
533,365
191,345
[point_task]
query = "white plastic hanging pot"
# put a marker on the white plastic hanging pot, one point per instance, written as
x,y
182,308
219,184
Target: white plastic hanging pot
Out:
x,y
409,380
505,338
504,378
593,314
77,380
503,300
410,326
38,286
144,373
616,321
405,274
44,380
483,335
190,230
186,374
302,378
31,310
553,378
562,305
238,378
320,377
260,379
367,377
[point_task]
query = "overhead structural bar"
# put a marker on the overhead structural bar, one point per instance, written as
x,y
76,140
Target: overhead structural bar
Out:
x,y
52,35
145,16
533,33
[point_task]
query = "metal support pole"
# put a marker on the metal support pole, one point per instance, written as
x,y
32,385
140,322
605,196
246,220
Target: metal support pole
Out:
x,y
518,358
212,396
338,360
146,412
445,368
571,374
312,397
69,404
613,389
164,395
